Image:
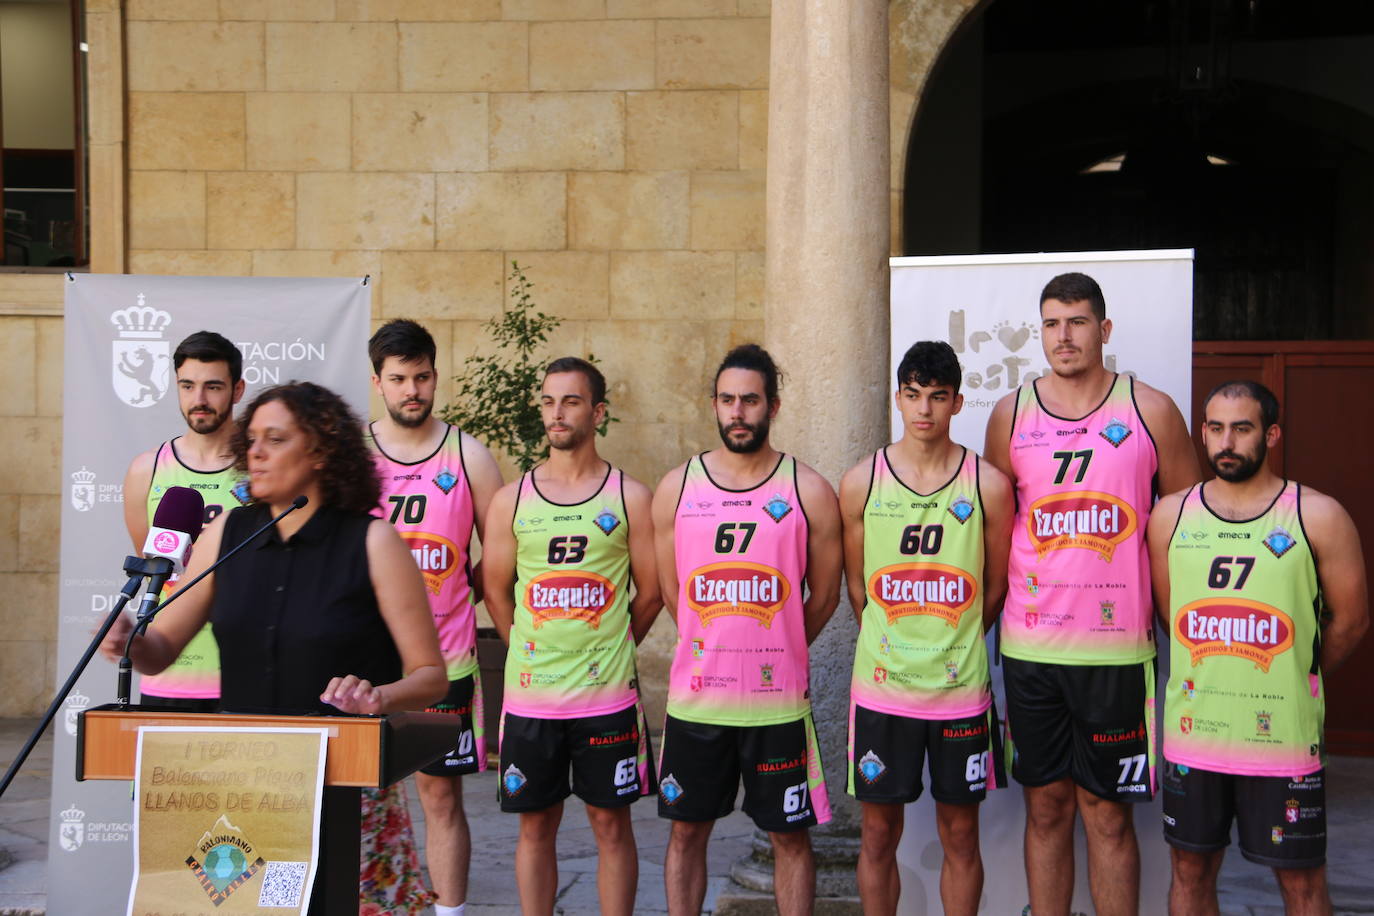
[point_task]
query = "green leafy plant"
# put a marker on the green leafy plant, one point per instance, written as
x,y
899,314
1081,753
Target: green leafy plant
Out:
x,y
496,399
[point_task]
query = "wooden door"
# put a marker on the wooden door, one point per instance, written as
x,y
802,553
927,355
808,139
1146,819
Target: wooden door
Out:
x,y
1326,393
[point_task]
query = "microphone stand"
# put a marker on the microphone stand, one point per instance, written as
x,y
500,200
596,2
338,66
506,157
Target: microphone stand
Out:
x,y
138,568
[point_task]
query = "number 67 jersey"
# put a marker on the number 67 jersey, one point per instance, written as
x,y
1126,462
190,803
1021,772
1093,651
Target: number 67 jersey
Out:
x,y
741,654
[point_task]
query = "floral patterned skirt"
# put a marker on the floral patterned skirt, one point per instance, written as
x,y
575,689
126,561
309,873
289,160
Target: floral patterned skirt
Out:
x,y
390,880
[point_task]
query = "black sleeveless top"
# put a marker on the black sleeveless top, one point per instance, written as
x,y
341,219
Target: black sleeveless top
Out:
x,y
290,615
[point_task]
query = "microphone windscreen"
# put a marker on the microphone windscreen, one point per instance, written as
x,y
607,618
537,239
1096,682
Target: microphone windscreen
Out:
x,y
300,501
181,509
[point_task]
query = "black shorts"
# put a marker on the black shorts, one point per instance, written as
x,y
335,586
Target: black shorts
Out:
x,y
610,757
701,767
1094,723
180,704
888,752
469,752
1281,820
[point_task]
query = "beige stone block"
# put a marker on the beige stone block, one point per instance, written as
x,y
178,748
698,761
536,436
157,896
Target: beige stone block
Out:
x,y
592,55
682,130
30,605
561,10
195,56
24,668
728,210
105,79
894,224
34,444
191,263
656,368
323,264
420,132
628,210
108,203
566,284
51,349
901,111
749,285
495,211
18,346
207,10
186,130
250,209
166,209
442,284
494,57
31,291
277,10
365,210
755,7
558,130
331,56
664,284
40,520
668,9
753,129
298,131
9,532
713,54
418,10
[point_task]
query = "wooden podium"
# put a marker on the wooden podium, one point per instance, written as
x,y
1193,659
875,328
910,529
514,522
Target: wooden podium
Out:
x,y
362,751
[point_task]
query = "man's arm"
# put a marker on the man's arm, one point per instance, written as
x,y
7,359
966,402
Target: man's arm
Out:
x,y
137,480
1178,467
484,479
1340,571
997,444
854,487
498,560
1163,518
648,599
824,553
664,511
994,490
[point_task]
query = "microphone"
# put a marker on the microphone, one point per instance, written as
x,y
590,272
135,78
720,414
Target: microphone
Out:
x,y
123,689
176,525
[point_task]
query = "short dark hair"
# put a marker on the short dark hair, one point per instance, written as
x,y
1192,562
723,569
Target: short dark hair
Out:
x,y
595,379
348,479
209,347
755,358
405,339
1244,388
930,363
1075,287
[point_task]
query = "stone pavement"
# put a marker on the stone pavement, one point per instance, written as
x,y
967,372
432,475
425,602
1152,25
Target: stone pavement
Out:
x,y
1246,889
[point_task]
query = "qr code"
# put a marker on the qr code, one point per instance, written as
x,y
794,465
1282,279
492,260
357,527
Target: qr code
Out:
x,y
282,884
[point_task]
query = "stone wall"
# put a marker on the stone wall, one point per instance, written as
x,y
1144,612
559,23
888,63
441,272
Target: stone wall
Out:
x,y
616,148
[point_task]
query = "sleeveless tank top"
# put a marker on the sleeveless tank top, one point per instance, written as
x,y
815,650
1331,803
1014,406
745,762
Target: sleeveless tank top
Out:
x,y
1078,590
1245,687
195,673
920,650
572,652
430,504
741,656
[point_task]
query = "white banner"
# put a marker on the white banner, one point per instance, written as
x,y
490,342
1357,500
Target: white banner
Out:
x,y
987,308
119,400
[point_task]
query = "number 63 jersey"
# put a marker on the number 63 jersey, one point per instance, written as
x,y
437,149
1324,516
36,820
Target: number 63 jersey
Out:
x,y
741,655
571,649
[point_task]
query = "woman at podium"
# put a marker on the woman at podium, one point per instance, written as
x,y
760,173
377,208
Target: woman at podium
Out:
x,y
326,612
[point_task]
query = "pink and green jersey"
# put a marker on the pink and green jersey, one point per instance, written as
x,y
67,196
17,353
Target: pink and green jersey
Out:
x,y
920,651
572,653
1245,689
195,673
1078,590
430,504
741,656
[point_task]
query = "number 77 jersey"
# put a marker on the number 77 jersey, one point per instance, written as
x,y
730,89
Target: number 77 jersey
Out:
x,y
741,655
1078,589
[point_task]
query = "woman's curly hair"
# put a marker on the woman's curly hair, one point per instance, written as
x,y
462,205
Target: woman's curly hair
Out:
x,y
348,479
